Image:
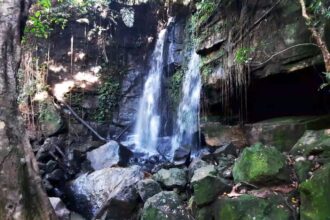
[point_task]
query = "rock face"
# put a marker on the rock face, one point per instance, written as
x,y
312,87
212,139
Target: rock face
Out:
x,y
315,195
207,185
164,205
171,178
148,188
90,192
259,164
313,142
252,208
105,156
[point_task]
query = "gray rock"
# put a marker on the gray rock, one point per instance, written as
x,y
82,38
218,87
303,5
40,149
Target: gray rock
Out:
x,y
164,205
207,185
171,178
90,192
195,164
148,188
60,209
105,156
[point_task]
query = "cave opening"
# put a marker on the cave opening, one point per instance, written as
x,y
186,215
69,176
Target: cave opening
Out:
x,y
288,94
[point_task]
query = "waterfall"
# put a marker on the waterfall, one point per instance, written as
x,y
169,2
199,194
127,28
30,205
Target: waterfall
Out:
x,y
148,117
187,123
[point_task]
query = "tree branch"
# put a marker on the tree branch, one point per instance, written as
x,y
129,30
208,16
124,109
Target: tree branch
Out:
x,y
83,122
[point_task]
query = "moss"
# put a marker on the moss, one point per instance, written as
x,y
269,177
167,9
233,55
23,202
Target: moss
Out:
x,y
313,142
251,208
302,168
259,163
315,196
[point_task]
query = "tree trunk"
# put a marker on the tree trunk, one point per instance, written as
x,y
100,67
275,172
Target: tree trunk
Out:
x,y
317,35
21,193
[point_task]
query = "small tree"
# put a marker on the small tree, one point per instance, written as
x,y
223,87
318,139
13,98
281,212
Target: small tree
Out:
x,y
316,14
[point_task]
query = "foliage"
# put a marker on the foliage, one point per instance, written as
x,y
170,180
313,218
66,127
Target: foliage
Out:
x,y
175,86
108,98
205,9
42,19
243,54
320,9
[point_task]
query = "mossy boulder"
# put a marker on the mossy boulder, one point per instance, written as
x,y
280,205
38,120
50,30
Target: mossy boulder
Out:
x,y
302,167
148,188
50,118
171,178
248,207
164,206
315,196
207,185
260,164
313,142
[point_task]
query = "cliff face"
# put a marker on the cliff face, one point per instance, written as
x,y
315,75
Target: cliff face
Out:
x,y
257,55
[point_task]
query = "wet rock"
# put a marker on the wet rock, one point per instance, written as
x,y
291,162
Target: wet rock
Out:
x,y
171,178
165,205
315,195
260,164
60,209
207,185
313,142
89,192
251,208
148,188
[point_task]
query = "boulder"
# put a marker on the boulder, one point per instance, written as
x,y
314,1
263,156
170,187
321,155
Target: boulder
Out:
x,y
313,142
115,186
165,205
148,188
217,135
248,207
60,210
105,156
207,185
315,195
260,164
195,164
50,119
171,178
283,133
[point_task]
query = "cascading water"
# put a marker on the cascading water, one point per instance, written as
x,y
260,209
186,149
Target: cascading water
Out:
x,y
148,118
187,123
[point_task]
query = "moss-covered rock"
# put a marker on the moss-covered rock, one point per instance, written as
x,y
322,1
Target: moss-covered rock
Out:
x,y
164,206
302,168
313,142
148,188
252,208
207,185
50,119
260,164
171,178
315,196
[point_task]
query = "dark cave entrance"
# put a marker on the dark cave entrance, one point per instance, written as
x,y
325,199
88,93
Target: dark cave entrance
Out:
x,y
288,94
